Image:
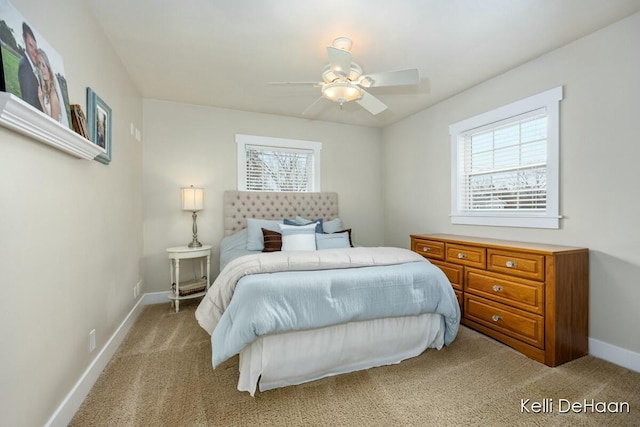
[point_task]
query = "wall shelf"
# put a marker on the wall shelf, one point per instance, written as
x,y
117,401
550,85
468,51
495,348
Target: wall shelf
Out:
x,y
17,115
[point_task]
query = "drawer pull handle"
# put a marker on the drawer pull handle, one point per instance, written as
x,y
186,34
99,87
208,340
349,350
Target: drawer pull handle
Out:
x,y
462,256
512,264
497,288
496,318
426,249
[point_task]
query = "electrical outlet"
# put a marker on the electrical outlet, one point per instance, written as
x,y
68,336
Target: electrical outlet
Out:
x,y
139,286
92,340
135,292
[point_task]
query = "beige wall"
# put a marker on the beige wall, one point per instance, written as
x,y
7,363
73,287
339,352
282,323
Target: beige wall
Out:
x,y
189,144
70,229
599,154
71,245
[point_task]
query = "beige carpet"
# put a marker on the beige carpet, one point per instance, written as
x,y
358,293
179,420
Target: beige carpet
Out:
x,y
162,376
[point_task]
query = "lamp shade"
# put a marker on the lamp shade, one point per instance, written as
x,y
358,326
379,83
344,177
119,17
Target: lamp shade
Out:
x,y
192,199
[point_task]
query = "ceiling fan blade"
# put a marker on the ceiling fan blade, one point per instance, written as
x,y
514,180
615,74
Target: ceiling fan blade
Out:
x,y
391,78
339,60
371,103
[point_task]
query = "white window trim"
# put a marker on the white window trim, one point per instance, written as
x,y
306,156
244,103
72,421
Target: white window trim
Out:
x,y
550,100
243,140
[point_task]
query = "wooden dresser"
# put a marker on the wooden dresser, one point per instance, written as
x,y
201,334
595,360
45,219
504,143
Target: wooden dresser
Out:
x,y
532,297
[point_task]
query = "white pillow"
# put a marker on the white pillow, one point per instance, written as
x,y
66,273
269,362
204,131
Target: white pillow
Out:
x,y
255,239
332,226
332,241
298,237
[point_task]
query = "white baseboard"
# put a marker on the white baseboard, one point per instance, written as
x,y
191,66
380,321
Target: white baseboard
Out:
x,y
156,298
67,409
611,353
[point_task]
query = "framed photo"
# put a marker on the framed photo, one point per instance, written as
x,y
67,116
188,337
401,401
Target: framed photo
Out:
x,y
79,121
31,68
99,120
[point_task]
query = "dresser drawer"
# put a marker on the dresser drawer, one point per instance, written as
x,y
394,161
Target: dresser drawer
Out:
x,y
521,264
452,271
520,293
518,324
428,248
471,256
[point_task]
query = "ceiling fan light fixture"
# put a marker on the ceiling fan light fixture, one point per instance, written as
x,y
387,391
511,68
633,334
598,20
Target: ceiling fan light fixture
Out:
x,y
341,92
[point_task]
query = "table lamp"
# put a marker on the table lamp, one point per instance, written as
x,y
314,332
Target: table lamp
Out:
x,y
193,201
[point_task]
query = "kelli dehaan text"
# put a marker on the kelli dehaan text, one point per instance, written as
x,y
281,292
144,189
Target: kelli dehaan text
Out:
x,y
566,406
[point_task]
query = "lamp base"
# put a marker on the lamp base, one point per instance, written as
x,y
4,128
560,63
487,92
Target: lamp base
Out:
x,y
194,244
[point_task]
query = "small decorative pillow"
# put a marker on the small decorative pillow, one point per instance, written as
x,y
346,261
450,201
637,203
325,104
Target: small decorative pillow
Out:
x,y
298,237
302,221
332,241
272,241
255,240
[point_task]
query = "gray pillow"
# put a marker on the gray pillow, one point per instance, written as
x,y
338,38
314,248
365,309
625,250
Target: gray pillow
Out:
x,y
332,241
332,226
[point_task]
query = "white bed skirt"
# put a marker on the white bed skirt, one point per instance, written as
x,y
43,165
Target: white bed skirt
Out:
x,y
301,356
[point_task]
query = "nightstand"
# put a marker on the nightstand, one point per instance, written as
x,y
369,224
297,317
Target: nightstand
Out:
x,y
195,287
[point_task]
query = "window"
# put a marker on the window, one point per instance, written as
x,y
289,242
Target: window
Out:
x,y
276,164
505,165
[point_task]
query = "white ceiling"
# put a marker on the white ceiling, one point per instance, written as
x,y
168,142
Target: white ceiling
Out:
x,y
224,53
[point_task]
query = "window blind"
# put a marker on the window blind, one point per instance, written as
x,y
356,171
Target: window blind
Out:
x,y
504,165
279,168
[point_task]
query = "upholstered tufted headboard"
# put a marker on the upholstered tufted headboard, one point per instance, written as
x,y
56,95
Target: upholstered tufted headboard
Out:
x,y
240,205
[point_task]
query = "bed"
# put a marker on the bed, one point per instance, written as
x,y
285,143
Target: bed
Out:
x,y
295,314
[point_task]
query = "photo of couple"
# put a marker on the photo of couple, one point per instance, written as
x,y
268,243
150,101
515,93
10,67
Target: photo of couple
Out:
x,y
32,70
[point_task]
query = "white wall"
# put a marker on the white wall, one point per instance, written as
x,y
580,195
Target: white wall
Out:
x,y
189,144
599,154
70,229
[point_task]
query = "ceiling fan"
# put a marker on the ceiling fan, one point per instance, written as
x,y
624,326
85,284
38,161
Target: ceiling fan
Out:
x,y
343,80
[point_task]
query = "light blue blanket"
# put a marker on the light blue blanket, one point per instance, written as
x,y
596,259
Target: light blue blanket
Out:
x,y
279,302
